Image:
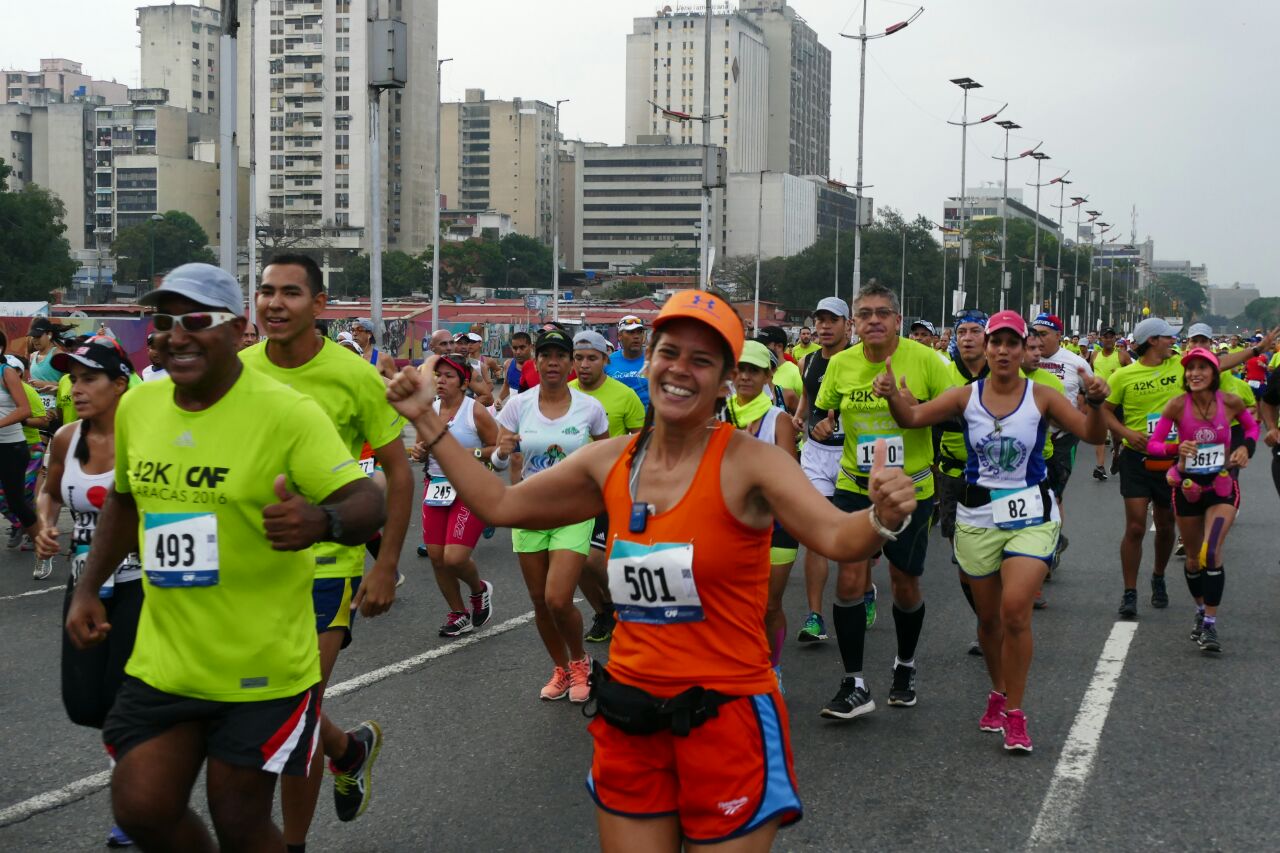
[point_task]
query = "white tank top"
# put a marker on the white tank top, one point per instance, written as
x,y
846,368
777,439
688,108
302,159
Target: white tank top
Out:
x,y
1004,453
84,495
769,426
462,427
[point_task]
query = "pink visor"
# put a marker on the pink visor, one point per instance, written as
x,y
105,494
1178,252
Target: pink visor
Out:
x,y
1201,352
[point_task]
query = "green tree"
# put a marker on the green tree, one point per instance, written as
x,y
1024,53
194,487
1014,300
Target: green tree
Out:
x,y
402,274
34,256
178,240
528,256
1188,292
1264,313
624,290
670,259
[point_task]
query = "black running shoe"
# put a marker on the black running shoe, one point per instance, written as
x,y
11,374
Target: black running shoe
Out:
x,y
903,692
353,789
601,627
1159,594
1115,464
1209,639
1129,604
975,649
850,701
1099,473
482,604
1199,627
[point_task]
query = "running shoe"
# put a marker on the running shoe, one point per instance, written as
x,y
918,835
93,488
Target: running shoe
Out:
x,y
1129,604
117,839
399,580
1115,465
903,692
1100,473
1199,627
993,719
1159,594
870,601
456,624
482,605
814,629
975,649
15,539
1180,550
27,544
601,627
1041,602
353,789
1016,738
850,701
1209,639
557,687
777,673
580,680
422,551
43,569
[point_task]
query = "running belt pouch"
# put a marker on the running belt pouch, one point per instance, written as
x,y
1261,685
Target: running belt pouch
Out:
x,y
974,497
638,712
1161,465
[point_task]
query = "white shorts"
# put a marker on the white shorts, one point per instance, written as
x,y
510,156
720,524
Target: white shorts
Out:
x,y
821,464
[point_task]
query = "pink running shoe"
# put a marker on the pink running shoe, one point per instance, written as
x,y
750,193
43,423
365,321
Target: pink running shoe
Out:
x,y
993,719
580,680
557,687
1016,738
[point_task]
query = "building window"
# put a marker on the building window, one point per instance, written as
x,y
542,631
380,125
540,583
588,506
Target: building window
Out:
x,y
342,63
342,220
277,28
277,161
342,44
277,182
342,7
342,201
277,143
342,25
342,181
342,161
342,141
343,84
342,103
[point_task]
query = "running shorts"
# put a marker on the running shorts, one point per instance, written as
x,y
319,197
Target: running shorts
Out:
x,y
821,464
275,735
727,778
571,537
980,551
1184,508
949,489
600,532
455,524
331,598
1138,481
91,677
907,553
782,547
1062,461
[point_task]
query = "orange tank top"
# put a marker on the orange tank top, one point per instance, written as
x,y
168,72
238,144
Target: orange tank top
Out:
x,y
673,634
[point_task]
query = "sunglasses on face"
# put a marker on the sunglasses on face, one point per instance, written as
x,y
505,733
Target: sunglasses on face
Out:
x,y
878,313
197,321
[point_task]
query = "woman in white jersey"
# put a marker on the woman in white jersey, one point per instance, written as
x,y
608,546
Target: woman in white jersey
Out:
x,y
81,471
753,410
1007,522
545,424
450,529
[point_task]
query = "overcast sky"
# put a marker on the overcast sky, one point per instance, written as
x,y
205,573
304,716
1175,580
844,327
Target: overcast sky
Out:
x,y
1169,105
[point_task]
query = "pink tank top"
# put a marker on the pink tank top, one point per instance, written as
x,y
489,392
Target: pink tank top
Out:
x,y
1192,427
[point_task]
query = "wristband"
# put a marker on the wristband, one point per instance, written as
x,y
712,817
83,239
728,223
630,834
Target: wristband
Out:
x,y
884,532
433,442
499,464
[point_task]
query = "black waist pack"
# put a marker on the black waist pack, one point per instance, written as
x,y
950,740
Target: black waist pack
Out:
x,y
639,712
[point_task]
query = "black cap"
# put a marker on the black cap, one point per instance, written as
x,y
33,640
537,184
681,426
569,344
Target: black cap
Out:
x,y
771,335
43,325
1107,331
553,338
96,355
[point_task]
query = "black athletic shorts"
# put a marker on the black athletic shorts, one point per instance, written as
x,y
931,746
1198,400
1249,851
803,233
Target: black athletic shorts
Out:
x,y
1063,460
949,489
1138,481
782,539
274,735
908,552
600,532
1184,508
91,677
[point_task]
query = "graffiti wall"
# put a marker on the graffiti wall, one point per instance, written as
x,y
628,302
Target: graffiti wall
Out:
x,y
130,333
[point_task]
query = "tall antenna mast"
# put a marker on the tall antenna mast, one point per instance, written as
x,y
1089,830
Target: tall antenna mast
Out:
x,y
1133,225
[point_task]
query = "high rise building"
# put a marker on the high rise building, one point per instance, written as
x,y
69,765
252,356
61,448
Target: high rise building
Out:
x,y
665,62
51,145
784,214
59,81
311,114
179,46
799,89
498,155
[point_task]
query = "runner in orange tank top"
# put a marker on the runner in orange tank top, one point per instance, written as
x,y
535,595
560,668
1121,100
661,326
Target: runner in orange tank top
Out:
x,y
691,738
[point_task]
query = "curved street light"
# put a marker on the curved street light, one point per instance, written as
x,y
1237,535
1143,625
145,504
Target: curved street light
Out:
x,y
1006,280
863,37
966,83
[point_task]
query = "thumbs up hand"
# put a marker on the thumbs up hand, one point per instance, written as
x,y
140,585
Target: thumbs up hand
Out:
x,y
292,524
886,384
824,428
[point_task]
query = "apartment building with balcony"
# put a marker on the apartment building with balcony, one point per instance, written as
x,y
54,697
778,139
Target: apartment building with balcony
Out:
x,y
498,155
59,81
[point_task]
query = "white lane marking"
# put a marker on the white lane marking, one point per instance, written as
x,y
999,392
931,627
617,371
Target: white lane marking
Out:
x,y
1053,826
92,784
29,593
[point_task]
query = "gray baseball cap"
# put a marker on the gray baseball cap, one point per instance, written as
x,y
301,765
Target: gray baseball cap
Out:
x,y
1200,330
367,325
591,340
833,305
203,283
1150,328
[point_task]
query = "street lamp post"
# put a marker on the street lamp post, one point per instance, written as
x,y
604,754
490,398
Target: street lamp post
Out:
x,y
1062,182
759,218
943,308
862,37
966,83
1005,276
435,212
1037,275
555,213
151,278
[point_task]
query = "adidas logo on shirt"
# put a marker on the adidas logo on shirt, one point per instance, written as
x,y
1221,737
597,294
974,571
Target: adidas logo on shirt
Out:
x,y
184,440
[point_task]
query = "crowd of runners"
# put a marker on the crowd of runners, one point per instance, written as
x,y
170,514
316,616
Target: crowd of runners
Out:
x,y
671,477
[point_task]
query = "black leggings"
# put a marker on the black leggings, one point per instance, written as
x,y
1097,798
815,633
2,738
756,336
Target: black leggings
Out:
x,y
91,677
1275,472
13,480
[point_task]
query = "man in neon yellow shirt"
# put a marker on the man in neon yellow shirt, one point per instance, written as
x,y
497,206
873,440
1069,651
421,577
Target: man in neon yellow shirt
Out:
x,y
851,387
786,376
1106,359
805,345
224,478
353,395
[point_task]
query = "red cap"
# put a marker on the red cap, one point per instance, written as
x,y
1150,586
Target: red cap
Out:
x,y
1007,320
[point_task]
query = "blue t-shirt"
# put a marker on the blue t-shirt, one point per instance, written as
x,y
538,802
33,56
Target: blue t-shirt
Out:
x,y
629,371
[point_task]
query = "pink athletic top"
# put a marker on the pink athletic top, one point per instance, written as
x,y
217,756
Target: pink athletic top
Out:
x,y
1192,427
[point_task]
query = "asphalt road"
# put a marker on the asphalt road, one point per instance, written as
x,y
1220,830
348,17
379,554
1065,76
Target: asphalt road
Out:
x,y
1186,756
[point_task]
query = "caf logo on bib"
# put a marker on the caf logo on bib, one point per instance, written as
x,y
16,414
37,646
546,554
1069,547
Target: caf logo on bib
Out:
x,y
1001,453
